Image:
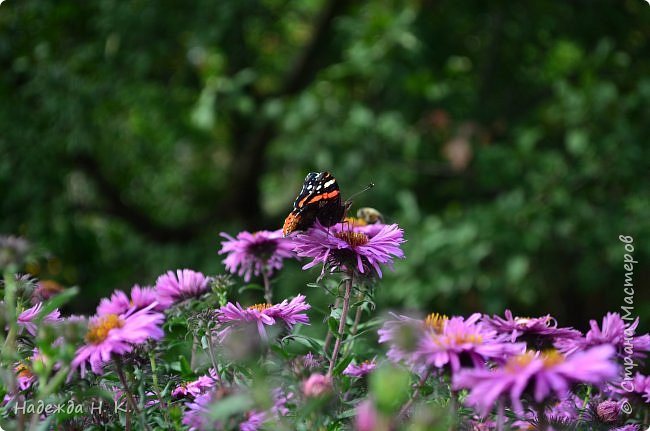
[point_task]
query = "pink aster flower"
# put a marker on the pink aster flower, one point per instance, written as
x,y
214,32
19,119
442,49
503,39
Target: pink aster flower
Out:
x,y
516,327
254,421
347,249
368,418
289,312
116,334
402,335
120,303
637,386
545,374
360,370
185,283
196,416
317,385
614,331
255,253
198,386
446,341
28,317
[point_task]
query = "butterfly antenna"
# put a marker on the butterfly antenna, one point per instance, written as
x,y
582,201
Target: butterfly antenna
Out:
x,y
366,188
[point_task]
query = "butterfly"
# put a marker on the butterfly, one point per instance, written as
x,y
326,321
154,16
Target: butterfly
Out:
x,y
319,199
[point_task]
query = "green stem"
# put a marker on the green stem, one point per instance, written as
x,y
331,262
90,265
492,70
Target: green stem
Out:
x,y
344,316
156,387
328,337
268,293
129,396
421,383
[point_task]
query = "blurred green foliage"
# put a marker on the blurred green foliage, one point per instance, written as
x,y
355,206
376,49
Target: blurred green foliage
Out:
x,y
509,139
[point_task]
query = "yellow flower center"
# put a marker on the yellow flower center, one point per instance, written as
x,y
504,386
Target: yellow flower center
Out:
x,y
98,330
354,239
518,362
551,358
355,221
260,307
436,322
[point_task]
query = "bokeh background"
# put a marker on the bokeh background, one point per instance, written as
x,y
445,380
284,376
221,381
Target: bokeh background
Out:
x,y
509,139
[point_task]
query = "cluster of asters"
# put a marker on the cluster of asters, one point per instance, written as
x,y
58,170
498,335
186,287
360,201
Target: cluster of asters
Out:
x,y
511,372
529,366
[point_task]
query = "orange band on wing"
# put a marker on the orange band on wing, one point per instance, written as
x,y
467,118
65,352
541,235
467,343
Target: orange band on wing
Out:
x,y
319,197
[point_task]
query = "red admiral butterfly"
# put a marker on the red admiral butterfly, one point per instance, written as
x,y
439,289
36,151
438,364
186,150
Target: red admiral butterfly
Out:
x,y
320,198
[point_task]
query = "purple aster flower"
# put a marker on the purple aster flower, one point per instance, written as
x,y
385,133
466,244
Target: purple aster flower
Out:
x,y
630,427
567,413
120,303
196,416
290,312
615,332
350,250
255,253
185,283
196,387
638,386
280,401
446,341
254,421
608,411
545,373
317,385
401,335
116,334
515,327
360,370
27,318
367,417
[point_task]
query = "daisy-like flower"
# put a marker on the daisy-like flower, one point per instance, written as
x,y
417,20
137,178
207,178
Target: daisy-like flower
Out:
x,y
638,387
614,331
289,312
255,253
360,370
349,250
119,302
445,341
544,373
198,386
27,318
185,283
401,335
518,327
116,334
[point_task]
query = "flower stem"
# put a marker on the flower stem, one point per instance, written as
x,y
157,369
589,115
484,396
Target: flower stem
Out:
x,y
344,317
156,387
453,410
268,292
500,416
355,325
409,403
328,337
127,391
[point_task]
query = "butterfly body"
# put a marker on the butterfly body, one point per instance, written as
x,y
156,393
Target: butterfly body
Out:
x,y
319,199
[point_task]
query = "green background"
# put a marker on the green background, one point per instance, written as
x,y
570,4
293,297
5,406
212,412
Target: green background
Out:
x,y
508,139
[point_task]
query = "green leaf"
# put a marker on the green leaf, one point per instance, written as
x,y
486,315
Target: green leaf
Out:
x,y
342,365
